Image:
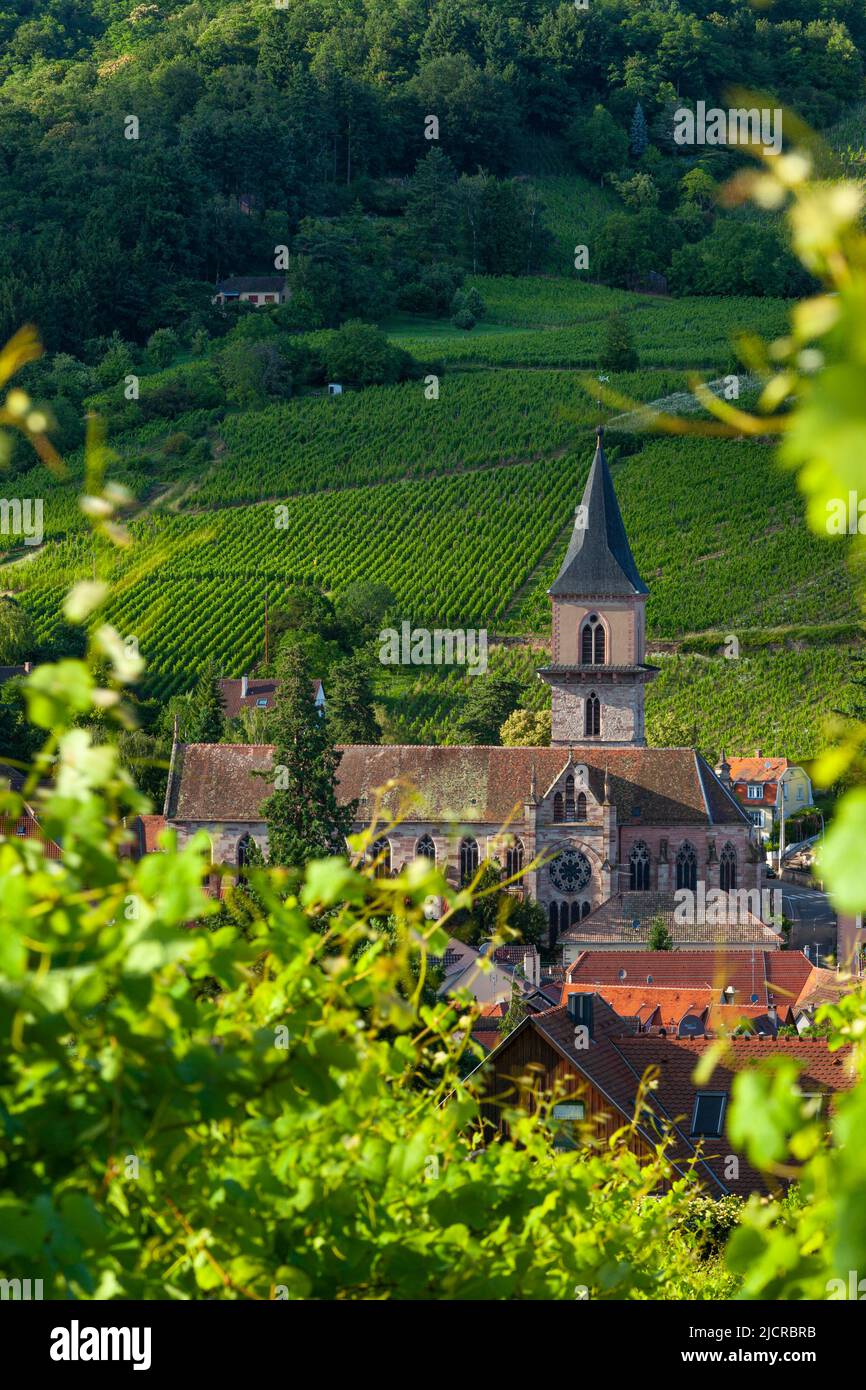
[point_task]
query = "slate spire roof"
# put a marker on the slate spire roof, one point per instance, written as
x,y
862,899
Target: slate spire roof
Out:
x,y
599,559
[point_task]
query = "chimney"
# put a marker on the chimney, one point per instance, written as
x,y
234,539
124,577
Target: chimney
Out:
x,y
724,771
28,667
244,686
530,966
759,752
580,1010
773,1016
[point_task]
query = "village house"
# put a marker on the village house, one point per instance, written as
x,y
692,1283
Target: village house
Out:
x,y
595,814
764,786
593,1062
258,290
249,692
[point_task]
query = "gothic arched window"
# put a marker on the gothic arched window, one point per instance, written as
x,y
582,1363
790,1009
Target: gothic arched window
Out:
x,y
569,798
557,806
639,868
425,849
592,642
592,716
514,859
565,917
585,910
575,912
380,853
245,853
553,918
687,867
728,868
468,859
581,806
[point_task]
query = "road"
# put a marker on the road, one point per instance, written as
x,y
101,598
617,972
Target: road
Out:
x,y
813,917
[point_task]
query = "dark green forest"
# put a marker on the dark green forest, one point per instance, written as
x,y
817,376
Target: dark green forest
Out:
x,y
304,124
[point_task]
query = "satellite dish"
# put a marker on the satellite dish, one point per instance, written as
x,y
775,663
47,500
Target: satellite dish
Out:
x,y
754,999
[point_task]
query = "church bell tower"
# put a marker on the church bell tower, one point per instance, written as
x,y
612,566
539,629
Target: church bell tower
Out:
x,y
597,672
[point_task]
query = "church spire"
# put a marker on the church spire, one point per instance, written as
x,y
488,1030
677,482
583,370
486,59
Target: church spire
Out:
x,y
599,559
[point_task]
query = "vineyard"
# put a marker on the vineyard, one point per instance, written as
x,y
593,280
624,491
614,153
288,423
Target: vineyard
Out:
x,y
463,505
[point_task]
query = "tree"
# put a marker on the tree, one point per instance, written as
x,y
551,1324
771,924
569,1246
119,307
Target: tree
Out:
x,y
360,353
161,347
619,352
204,723
598,143
349,702
361,610
515,1013
638,135
432,209
253,372
304,817
659,938
489,701
526,728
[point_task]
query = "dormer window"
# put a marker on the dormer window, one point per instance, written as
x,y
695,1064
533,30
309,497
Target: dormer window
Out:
x,y
709,1114
592,642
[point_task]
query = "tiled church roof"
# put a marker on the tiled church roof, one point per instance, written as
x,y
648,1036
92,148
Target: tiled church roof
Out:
x,y
217,782
628,918
599,559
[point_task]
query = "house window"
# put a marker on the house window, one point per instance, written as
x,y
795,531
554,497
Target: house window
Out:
x,y
592,642
262,704
756,817
253,298
569,798
425,849
581,806
592,717
639,868
728,868
380,854
708,1114
564,1118
557,807
514,860
468,859
799,793
269,299
754,793
687,867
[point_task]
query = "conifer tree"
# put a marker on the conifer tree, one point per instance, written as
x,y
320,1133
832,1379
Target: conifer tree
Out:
x,y
350,702
204,723
304,818
638,135
618,353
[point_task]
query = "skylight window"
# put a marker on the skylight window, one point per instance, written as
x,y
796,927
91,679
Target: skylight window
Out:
x,y
709,1114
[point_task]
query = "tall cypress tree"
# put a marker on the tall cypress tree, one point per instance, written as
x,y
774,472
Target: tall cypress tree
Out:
x,y
304,818
350,702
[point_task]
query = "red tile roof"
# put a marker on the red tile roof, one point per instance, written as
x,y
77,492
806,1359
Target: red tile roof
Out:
x,y
618,1058
628,918
776,977
757,769
668,786
257,690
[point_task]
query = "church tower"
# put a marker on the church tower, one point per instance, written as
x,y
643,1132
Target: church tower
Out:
x,y
597,673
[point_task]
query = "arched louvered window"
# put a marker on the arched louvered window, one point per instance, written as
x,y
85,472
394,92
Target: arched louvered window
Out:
x,y
592,716
581,806
585,910
639,868
380,854
687,867
514,859
728,868
425,849
557,806
468,859
592,642
575,913
565,918
569,798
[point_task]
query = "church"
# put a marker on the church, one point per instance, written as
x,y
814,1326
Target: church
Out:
x,y
606,813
